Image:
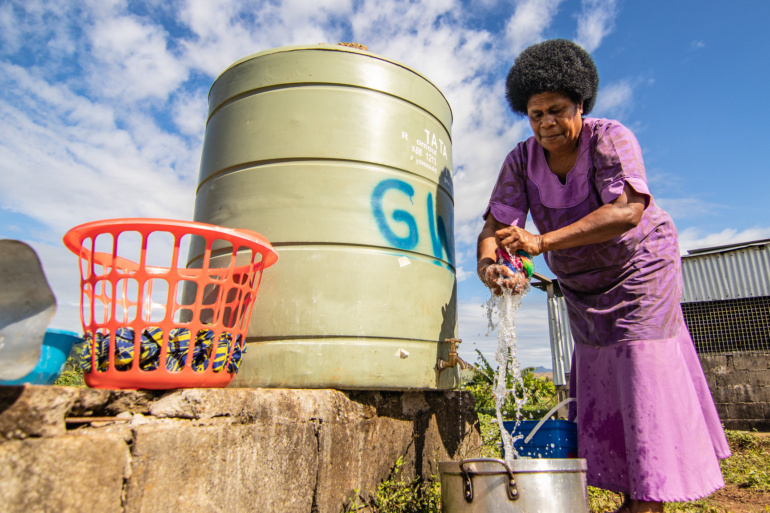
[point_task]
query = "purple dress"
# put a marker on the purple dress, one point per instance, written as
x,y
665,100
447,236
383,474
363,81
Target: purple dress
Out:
x,y
647,424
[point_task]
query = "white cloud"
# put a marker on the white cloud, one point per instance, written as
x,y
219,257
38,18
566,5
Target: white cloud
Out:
x,y
132,60
45,25
531,327
218,39
463,275
596,21
695,238
528,22
66,162
689,208
426,36
226,30
480,150
189,111
10,33
466,233
697,45
614,100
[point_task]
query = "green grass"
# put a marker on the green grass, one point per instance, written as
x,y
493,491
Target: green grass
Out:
x,y
399,494
603,500
540,392
749,466
72,375
490,436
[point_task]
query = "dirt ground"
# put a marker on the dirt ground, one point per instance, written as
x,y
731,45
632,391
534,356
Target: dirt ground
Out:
x,y
733,499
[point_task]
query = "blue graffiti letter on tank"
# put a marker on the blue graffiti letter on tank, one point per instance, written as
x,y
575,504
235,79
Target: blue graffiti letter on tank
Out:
x,y
440,241
401,216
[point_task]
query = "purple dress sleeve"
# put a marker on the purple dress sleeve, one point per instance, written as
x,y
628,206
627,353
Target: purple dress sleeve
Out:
x,y
508,203
617,158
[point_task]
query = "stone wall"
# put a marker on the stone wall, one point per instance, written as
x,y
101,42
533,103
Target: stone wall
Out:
x,y
204,450
740,385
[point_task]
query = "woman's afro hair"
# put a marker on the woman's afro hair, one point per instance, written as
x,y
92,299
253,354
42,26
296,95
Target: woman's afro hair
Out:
x,y
556,65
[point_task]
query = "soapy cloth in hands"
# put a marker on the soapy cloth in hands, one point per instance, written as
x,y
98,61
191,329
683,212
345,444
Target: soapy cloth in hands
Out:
x,y
519,262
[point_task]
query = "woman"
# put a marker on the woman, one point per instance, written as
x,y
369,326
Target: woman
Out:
x,y
647,425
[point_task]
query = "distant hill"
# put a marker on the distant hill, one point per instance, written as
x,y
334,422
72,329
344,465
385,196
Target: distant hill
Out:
x,y
541,369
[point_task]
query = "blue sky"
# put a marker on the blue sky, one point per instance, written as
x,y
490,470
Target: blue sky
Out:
x,y
99,98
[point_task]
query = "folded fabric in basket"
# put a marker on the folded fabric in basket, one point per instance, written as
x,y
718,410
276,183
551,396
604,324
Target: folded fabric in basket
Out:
x,y
150,349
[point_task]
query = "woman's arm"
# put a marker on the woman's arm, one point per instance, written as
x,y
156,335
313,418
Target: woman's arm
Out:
x,y
606,222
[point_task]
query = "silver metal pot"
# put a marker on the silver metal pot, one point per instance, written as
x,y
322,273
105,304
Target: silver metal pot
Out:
x,y
514,486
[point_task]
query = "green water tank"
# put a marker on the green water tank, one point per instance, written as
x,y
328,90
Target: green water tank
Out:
x,y
342,159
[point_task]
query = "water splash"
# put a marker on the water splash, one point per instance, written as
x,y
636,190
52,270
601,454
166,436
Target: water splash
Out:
x,y
504,308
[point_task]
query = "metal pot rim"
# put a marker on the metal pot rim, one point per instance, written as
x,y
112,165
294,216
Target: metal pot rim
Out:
x,y
493,466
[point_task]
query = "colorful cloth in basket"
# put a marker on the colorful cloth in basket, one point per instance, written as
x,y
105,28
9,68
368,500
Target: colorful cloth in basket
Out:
x,y
150,350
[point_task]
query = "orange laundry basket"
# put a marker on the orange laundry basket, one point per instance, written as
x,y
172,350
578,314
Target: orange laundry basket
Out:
x,y
176,325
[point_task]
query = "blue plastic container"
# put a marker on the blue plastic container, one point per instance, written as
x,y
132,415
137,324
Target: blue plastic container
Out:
x,y
57,345
554,439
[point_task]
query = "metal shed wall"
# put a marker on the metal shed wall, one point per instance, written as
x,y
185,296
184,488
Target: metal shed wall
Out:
x,y
728,273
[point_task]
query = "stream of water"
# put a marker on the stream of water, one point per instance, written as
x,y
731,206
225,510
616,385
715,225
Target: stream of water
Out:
x,y
504,308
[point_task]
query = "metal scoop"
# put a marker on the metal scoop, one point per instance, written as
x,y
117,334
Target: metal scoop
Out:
x,y
27,306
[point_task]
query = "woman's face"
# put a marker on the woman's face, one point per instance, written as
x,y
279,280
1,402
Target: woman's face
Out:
x,y
556,121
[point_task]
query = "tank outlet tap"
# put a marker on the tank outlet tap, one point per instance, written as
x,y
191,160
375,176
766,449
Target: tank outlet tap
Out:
x,y
453,361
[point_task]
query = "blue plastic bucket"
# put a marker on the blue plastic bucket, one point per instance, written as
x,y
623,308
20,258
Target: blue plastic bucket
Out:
x,y
57,345
554,439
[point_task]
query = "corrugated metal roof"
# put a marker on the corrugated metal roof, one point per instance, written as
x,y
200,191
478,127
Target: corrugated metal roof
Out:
x,y
725,273
726,248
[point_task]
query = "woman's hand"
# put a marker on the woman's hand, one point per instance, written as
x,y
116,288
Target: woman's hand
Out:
x,y
513,238
497,277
